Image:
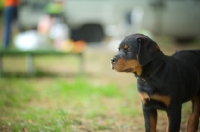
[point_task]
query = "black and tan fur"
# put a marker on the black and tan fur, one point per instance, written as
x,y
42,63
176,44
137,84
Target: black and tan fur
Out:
x,y
164,82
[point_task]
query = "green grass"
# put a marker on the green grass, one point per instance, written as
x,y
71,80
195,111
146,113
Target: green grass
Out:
x,y
70,105
59,105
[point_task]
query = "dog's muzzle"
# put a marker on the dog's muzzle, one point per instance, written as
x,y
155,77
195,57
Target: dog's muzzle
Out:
x,y
113,61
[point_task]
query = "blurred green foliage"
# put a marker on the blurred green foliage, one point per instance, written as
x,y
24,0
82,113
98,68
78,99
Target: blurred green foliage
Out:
x,y
1,4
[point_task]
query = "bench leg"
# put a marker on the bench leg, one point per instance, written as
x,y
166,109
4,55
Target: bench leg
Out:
x,y
1,65
82,62
29,65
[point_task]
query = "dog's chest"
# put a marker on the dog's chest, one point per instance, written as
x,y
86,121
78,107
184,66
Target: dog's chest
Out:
x,y
151,96
149,87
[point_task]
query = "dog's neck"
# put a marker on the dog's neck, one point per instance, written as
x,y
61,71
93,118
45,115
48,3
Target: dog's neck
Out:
x,y
151,68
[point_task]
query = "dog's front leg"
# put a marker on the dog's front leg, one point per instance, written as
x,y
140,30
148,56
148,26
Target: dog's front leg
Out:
x,y
150,117
174,118
193,121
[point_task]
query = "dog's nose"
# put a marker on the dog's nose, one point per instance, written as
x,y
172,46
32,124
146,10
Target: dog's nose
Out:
x,y
113,60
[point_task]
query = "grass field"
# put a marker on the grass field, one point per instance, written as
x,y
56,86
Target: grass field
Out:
x,y
62,105
101,101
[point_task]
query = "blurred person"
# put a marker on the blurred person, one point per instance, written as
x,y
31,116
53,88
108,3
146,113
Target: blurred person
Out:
x,y
10,15
53,25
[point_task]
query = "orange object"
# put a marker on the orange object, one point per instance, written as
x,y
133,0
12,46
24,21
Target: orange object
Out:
x,y
11,2
79,46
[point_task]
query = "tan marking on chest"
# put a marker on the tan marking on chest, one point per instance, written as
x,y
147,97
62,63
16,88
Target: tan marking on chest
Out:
x,y
164,99
160,98
144,97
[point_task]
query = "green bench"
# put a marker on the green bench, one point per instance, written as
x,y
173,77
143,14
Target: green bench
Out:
x,y
30,54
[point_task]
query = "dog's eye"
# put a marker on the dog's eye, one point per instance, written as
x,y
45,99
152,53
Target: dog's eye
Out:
x,y
127,50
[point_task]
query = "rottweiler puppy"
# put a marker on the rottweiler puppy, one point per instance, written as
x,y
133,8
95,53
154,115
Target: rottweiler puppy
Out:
x,y
163,82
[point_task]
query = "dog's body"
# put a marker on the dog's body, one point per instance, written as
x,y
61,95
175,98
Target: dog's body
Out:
x,y
164,82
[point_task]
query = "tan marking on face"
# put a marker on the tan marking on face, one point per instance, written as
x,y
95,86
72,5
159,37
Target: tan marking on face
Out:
x,y
126,46
164,99
153,122
144,97
122,65
194,117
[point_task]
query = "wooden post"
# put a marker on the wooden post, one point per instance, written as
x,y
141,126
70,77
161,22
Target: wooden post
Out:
x,y
82,67
29,64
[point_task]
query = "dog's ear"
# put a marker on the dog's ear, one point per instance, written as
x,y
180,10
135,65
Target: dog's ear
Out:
x,y
147,50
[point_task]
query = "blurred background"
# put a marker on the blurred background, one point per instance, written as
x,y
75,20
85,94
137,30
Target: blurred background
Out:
x,y
93,20
98,20
57,98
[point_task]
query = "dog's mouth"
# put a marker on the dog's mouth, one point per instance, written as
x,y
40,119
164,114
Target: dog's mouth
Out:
x,y
123,65
120,68
129,70
112,67
126,70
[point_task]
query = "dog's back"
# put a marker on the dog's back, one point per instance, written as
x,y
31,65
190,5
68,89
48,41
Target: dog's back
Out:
x,y
188,57
188,62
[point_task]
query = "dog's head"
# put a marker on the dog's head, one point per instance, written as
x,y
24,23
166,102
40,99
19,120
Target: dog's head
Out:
x,y
135,51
